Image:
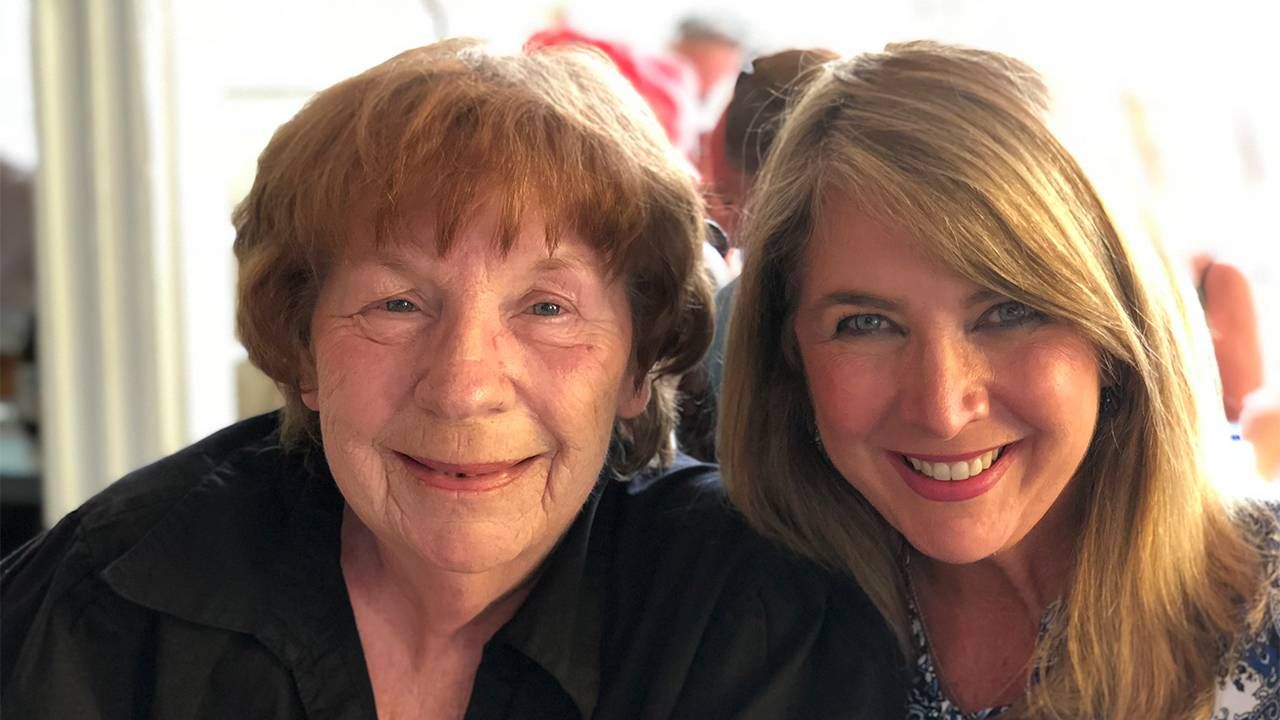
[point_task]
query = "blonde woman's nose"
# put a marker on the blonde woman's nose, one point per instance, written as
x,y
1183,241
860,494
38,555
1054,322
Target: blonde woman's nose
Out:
x,y
943,387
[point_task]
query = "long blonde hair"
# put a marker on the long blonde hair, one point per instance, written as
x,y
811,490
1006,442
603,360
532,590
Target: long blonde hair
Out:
x,y
951,145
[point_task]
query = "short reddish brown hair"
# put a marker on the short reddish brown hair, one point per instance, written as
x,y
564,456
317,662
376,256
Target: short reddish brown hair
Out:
x,y
452,125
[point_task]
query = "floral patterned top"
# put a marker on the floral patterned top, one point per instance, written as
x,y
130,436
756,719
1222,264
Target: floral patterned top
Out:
x,y
1248,686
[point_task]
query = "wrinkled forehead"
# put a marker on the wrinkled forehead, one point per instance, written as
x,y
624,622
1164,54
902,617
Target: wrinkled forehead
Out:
x,y
493,225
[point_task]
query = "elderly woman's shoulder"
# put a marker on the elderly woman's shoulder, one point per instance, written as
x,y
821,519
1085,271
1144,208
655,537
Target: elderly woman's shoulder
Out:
x,y
687,507
81,594
687,503
683,522
116,519
129,506
809,643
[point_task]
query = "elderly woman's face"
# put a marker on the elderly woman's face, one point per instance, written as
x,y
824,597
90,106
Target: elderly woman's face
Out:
x,y
959,414
466,402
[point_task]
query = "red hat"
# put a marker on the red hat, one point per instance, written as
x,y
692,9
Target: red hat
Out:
x,y
668,84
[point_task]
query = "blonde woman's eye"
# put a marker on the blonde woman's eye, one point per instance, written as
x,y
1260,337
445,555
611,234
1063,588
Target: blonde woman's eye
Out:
x,y
861,324
399,305
1013,313
545,309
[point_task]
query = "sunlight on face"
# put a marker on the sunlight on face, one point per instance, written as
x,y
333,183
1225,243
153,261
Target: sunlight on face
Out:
x,y
959,414
466,402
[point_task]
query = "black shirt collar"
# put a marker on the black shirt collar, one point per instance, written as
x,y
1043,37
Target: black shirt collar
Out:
x,y
255,548
559,624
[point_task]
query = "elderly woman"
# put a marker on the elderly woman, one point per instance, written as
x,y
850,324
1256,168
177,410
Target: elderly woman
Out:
x,y
949,376
474,278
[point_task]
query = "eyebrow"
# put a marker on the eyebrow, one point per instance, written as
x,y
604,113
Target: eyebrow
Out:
x,y
983,296
561,262
397,261
393,262
850,297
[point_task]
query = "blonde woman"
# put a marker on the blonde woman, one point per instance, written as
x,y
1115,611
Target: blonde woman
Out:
x,y
951,377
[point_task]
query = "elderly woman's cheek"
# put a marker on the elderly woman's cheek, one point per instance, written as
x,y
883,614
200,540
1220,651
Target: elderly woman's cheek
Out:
x,y
348,361
587,378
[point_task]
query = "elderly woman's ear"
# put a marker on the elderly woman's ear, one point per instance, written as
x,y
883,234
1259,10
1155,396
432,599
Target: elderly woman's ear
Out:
x,y
633,397
308,388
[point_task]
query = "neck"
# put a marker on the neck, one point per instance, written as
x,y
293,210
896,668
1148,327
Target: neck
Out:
x,y
436,607
982,619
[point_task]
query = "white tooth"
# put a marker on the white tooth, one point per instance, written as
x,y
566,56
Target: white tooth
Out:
x,y
926,468
914,463
975,466
941,471
959,471
986,459
995,454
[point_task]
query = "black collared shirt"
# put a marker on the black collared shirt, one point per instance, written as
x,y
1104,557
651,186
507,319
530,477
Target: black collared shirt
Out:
x,y
208,585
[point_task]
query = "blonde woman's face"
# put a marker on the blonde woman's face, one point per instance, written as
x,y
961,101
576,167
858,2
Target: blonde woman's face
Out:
x,y
961,415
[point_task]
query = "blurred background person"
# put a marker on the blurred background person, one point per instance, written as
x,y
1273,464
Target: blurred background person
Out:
x,y
732,154
667,85
738,143
1227,300
1260,427
19,388
715,45
737,147
1249,403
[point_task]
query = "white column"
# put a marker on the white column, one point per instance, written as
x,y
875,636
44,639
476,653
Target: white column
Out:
x,y
108,300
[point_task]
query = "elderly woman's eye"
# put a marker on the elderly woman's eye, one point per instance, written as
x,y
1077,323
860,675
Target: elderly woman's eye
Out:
x,y
861,324
399,305
545,309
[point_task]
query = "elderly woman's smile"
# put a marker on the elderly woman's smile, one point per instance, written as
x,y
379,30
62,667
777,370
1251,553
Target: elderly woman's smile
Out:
x,y
466,398
468,477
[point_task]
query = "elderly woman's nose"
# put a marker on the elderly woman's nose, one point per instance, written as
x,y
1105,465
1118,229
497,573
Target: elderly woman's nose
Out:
x,y
944,387
463,371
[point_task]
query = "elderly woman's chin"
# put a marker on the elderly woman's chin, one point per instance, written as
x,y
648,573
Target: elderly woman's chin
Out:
x,y
475,546
464,519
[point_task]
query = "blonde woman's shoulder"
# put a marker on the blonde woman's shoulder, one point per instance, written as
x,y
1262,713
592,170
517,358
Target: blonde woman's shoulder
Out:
x,y
1249,679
